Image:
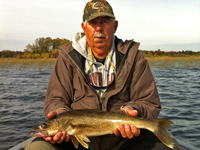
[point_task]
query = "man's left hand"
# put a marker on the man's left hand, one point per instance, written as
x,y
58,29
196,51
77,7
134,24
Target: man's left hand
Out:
x,y
127,130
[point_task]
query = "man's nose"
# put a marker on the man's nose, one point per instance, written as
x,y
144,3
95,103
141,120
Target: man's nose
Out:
x,y
99,27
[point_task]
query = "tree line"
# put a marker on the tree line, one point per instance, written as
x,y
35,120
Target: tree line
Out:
x,y
48,48
41,48
159,53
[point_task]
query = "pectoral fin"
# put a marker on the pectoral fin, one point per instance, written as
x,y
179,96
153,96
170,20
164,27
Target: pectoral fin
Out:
x,y
82,140
78,129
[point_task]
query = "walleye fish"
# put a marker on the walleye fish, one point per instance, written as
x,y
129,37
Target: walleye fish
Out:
x,y
81,124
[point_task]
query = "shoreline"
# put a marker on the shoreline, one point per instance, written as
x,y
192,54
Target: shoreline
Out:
x,y
54,59
12,60
168,57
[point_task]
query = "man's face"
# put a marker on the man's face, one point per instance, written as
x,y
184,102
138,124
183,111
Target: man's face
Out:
x,y
99,34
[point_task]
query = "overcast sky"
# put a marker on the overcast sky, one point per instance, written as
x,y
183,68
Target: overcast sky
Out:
x,y
156,24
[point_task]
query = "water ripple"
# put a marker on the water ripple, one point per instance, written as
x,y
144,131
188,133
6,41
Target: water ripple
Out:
x,y
22,94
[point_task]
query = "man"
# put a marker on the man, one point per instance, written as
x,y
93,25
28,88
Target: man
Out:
x,y
99,71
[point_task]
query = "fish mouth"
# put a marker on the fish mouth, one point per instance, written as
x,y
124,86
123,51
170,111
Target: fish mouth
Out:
x,y
40,133
36,129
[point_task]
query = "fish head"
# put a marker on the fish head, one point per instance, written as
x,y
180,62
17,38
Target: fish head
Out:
x,y
47,128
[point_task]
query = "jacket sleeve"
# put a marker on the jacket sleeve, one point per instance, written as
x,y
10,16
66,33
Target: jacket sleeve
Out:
x,y
143,92
60,89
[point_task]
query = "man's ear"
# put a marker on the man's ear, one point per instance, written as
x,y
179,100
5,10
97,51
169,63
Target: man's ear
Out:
x,y
115,25
83,26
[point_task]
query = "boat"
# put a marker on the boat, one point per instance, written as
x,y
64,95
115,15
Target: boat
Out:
x,y
183,145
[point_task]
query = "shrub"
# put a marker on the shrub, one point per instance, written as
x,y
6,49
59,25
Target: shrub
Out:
x,y
36,55
18,56
29,56
45,55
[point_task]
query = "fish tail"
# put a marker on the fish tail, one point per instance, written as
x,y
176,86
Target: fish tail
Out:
x,y
163,135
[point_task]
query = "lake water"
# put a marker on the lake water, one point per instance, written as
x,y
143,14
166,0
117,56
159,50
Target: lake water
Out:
x,y
22,94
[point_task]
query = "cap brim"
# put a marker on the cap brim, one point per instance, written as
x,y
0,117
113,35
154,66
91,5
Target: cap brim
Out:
x,y
102,14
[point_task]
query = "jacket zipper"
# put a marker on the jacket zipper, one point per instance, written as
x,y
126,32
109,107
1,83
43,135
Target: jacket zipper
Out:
x,y
122,62
85,79
120,66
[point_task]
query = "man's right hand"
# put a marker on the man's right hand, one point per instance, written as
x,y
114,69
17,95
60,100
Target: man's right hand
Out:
x,y
60,136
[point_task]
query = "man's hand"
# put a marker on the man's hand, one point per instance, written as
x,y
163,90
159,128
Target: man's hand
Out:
x,y
125,129
60,136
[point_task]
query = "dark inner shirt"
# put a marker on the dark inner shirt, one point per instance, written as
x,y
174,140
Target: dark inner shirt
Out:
x,y
100,60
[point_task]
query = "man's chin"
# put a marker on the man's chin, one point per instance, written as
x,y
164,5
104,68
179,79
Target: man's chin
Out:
x,y
100,46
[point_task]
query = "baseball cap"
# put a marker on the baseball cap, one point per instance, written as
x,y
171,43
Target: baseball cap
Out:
x,y
97,8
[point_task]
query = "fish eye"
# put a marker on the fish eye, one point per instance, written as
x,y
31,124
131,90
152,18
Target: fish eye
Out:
x,y
44,125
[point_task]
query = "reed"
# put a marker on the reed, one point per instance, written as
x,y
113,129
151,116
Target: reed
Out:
x,y
155,62
174,62
26,63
